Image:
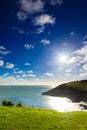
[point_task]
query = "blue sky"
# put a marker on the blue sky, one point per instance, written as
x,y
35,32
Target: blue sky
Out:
x,y
42,41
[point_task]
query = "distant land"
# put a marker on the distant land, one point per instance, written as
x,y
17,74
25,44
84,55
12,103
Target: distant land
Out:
x,y
76,91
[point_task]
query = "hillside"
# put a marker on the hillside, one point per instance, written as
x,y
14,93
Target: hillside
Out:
x,y
76,91
13,118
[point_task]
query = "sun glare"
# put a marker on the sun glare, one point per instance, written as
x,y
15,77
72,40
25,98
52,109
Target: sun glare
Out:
x,y
63,58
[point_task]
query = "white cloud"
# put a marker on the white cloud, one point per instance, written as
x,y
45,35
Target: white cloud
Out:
x,y
45,41
20,31
30,71
85,37
27,64
20,72
59,69
29,7
4,51
28,46
1,63
82,51
72,33
74,59
68,75
55,2
83,74
9,66
85,67
31,75
40,29
84,42
49,74
44,19
69,70
6,74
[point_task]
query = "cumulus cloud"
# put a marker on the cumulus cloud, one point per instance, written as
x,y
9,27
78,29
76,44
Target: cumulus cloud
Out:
x,y
1,63
55,2
28,7
27,64
31,75
28,46
4,51
83,74
45,41
30,71
9,66
49,74
43,19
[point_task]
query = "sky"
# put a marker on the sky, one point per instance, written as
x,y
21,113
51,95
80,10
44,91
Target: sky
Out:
x,y
42,42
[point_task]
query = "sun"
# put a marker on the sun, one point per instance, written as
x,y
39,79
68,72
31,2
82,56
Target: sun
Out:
x,y
63,58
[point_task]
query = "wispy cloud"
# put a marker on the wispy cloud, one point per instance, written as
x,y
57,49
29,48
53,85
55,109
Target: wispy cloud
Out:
x,y
40,29
28,7
55,2
48,74
9,66
45,41
85,67
6,75
20,30
85,37
43,19
60,68
4,51
29,46
1,63
69,70
72,33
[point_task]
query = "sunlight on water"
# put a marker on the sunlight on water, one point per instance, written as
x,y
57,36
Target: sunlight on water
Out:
x,y
62,104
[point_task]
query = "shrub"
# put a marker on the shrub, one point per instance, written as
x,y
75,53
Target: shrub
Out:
x,y
7,103
19,104
4,103
10,103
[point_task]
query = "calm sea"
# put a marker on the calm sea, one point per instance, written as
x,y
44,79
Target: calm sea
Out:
x,y
32,96
27,95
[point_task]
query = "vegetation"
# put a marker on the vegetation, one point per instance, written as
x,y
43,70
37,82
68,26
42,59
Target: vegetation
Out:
x,y
10,103
15,118
82,85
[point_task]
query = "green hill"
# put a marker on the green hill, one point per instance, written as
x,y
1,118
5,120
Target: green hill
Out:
x,y
76,91
14,118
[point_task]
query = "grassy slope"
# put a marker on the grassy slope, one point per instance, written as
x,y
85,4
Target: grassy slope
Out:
x,y
39,119
82,85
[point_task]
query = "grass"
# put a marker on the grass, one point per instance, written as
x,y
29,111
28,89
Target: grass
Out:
x,y
14,118
78,84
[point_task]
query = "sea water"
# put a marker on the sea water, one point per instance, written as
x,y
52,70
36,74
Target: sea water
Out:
x,y
32,96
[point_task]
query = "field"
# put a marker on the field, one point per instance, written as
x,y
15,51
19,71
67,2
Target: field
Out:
x,y
15,118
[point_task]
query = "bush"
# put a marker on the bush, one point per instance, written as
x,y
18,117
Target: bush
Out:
x,y
19,104
7,103
10,103
4,103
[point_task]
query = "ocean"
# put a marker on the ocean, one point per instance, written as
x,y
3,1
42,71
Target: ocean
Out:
x,y
32,96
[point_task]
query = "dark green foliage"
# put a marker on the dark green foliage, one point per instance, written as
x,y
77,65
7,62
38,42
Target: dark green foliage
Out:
x,y
7,103
4,103
19,104
10,103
